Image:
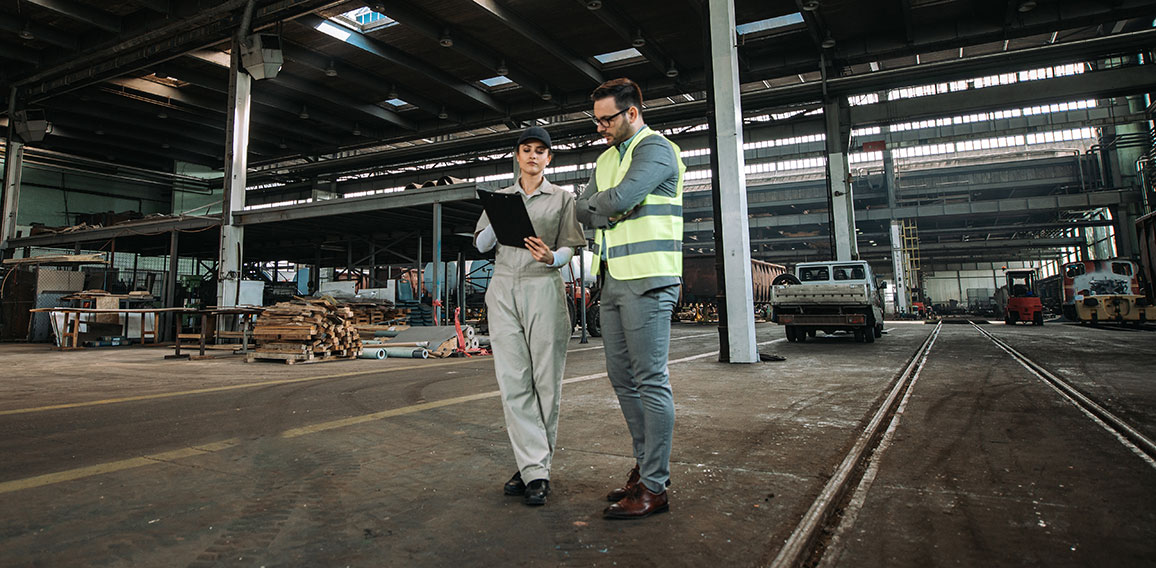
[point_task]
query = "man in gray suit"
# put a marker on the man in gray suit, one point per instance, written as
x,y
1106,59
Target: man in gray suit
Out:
x,y
634,204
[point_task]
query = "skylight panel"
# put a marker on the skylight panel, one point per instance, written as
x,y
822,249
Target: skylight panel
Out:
x,y
769,24
365,19
496,81
622,55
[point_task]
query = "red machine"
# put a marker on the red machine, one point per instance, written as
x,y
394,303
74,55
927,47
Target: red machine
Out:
x,y
1023,301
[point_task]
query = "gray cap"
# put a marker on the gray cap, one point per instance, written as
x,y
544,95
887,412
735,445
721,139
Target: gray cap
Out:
x,y
535,133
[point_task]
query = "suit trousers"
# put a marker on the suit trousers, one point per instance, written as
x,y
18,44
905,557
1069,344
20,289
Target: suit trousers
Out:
x,y
529,331
636,339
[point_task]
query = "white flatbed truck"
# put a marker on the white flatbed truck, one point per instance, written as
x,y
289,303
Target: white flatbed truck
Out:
x,y
829,296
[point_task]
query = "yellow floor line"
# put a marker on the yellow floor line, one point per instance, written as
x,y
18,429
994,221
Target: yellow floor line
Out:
x,y
227,388
322,426
131,463
255,385
111,467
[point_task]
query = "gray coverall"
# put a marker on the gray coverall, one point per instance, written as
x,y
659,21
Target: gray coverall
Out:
x,y
530,328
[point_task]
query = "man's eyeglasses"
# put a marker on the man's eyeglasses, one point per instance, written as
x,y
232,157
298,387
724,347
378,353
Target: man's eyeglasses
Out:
x,y
605,121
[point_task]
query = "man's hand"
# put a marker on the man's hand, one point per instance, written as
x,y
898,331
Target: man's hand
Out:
x,y
539,250
625,215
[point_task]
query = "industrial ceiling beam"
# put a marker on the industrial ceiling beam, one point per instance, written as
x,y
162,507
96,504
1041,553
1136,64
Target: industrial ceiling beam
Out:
x,y
126,150
99,128
39,32
158,6
427,26
814,24
1095,84
16,53
535,34
182,117
983,208
263,100
191,25
343,100
83,13
631,32
309,58
399,57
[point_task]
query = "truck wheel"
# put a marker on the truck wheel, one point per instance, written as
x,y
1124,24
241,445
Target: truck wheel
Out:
x,y
801,334
594,321
785,278
1039,319
791,334
878,329
869,334
572,312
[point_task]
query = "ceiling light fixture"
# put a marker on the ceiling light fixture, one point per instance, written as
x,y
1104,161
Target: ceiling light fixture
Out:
x,y
26,32
502,68
304,114
672,70
810,5
1026,6
282,145
392,94
442,114
356,129
639,41
593,4
828,43
162,115
446,40
330,69
546,93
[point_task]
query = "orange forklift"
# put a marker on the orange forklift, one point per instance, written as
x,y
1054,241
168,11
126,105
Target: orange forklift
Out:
x,y
1023,301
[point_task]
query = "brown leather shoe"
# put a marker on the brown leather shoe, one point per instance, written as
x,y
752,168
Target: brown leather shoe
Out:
x,y
621,492
640,503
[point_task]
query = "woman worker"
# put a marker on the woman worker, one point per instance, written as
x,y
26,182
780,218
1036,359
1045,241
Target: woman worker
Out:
x,y
528,320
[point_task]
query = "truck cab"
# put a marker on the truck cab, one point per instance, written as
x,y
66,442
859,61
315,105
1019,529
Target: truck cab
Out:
x,y
830,296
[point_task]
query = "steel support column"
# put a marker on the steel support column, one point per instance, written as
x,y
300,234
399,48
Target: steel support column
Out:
x,y
842,214
437,261
733,246
236,164
10,198
899,265
171,320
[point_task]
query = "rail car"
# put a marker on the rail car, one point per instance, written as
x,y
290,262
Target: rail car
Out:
x,y
1104,291
1146,231
1051,291
700,281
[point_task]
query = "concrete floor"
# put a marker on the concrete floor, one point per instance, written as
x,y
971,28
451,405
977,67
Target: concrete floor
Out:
x,y
116,457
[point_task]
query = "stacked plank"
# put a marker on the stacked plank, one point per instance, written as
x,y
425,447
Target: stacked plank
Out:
x,y
367,313
306,331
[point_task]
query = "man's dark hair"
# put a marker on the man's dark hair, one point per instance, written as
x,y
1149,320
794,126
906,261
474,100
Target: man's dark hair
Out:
x,y
625,92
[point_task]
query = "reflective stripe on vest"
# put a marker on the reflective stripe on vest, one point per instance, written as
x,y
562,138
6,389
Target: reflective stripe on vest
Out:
x,y
649,241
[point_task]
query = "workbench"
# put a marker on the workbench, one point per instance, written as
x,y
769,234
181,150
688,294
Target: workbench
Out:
x,y
208,331
68,336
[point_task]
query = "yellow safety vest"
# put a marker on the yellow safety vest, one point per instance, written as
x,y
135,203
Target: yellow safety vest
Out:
x,y
648,242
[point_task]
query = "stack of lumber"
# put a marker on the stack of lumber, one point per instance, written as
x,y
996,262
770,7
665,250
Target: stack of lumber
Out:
x,y
369,313
306,331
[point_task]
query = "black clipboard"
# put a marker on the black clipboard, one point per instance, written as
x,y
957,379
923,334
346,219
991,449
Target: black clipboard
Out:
x,y
508,216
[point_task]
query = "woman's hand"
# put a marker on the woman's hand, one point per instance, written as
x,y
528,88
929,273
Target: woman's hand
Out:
x,y
539,250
